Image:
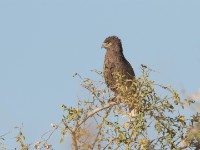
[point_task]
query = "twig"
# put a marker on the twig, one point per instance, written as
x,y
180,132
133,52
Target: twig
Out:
x,y
107,113
90,114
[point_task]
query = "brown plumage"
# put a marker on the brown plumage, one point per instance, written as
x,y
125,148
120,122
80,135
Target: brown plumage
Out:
x,y
115,62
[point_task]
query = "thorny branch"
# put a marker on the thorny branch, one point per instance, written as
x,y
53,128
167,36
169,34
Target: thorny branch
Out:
x,y
90,114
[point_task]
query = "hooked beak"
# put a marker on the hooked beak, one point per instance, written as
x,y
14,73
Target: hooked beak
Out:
x,y
103,45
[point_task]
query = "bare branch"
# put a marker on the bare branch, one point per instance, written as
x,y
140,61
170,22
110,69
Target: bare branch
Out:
x,y
90,114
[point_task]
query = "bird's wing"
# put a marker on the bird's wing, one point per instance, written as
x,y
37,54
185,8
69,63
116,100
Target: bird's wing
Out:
x,y
126,69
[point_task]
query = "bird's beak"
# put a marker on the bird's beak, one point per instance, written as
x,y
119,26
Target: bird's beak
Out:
x,y
103,45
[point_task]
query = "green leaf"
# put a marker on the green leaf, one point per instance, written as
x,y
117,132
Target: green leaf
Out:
x,y
61,140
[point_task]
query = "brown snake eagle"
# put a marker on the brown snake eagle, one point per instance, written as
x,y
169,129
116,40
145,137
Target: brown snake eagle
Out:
x,y
115,62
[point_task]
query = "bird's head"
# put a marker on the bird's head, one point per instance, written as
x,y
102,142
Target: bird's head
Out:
x,y
112,43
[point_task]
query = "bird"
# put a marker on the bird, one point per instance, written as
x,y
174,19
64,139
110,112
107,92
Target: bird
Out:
x,y
115,62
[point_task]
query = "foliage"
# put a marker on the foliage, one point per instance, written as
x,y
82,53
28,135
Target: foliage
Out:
x,y
2,139
154,123
20,138
104,120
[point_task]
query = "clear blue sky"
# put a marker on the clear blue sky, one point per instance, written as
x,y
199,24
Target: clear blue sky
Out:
x,y
44,42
